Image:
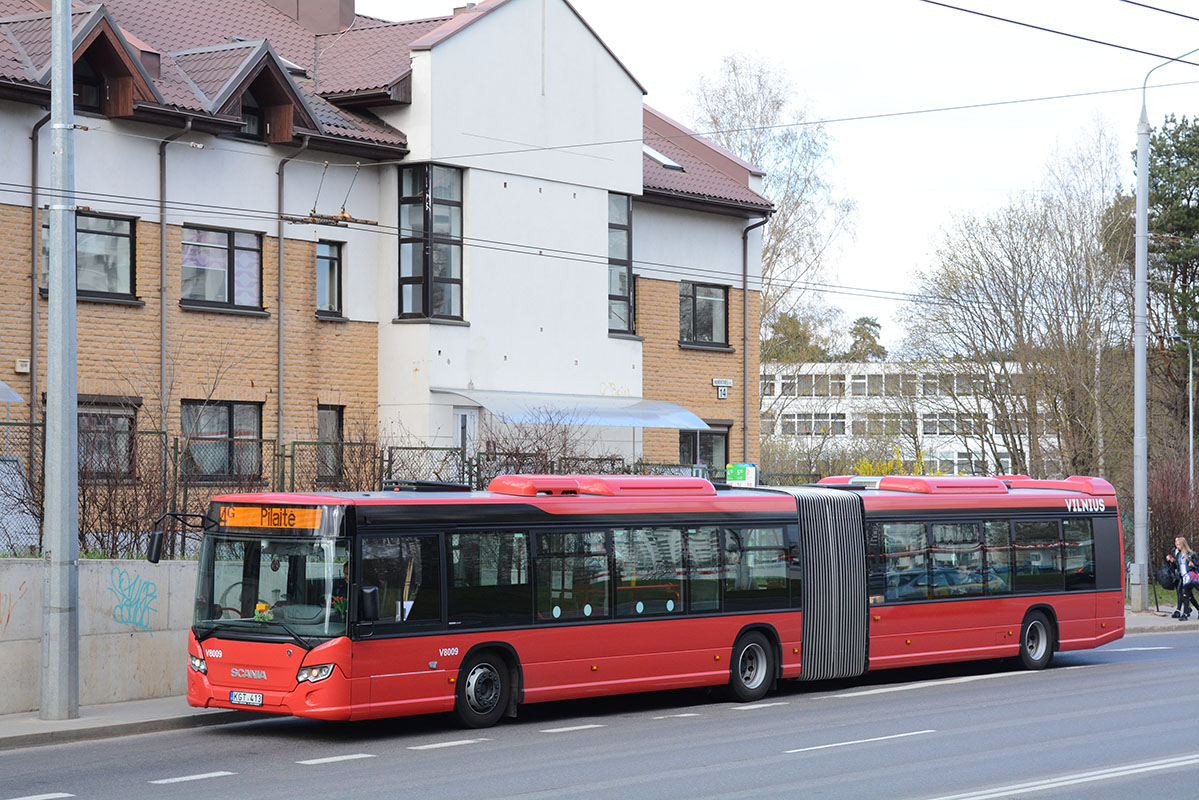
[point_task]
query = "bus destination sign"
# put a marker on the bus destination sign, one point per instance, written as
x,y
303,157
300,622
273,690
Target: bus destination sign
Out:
x,y
270,517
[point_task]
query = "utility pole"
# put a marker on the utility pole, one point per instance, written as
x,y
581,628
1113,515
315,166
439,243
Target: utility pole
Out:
x,y
60,526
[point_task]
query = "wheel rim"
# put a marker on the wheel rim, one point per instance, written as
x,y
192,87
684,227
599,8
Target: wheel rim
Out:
x,y
752,665
483,688
1035,640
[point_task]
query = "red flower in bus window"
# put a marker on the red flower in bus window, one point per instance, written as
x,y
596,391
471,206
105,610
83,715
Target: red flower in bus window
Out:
x,y
339,604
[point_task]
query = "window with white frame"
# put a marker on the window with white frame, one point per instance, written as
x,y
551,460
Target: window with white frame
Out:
x,y
768,385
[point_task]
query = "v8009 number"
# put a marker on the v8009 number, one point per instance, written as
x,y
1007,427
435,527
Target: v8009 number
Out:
x,y
448,651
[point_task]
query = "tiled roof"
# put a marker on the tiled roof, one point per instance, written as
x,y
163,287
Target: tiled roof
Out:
x,y
210,70
709,171
362,59
204,44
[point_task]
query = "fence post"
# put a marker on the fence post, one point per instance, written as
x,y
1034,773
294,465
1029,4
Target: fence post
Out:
x,y
292,486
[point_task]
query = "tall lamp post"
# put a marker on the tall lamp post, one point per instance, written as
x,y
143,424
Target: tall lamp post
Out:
x,y
1139,571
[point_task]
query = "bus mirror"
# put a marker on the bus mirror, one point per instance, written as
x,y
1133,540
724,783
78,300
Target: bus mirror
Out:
x,y
368,603
154,547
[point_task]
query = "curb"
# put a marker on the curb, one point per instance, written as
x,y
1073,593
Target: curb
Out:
x,y
68,735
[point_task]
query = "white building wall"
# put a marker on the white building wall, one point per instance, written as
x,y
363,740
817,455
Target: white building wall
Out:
x,y
673,244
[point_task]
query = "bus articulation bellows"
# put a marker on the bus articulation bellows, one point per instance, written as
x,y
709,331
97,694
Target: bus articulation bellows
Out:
x,y
546,587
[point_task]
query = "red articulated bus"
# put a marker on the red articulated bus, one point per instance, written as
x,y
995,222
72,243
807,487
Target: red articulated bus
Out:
x,y
437,598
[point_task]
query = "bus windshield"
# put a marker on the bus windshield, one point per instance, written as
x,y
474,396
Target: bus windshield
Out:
x,y
272,587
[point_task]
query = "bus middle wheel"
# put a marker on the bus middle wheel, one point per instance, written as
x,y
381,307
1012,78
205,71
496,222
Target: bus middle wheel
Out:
x,y
752,669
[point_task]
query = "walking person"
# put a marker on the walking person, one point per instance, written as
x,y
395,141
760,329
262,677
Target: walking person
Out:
x,y
1187,564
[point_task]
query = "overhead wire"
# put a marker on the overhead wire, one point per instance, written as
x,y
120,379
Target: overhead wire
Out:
x,y
1162,10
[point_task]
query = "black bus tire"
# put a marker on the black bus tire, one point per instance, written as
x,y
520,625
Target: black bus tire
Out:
x,y
1036,641
752,669
484,687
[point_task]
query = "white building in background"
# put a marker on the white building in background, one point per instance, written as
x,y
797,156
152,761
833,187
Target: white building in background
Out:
x,y
884,408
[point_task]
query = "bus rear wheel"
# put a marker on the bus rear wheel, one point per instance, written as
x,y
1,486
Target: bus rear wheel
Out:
x,y
752,668
1036,641
484,686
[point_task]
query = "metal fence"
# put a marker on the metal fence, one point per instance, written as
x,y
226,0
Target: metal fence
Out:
x,y
127,479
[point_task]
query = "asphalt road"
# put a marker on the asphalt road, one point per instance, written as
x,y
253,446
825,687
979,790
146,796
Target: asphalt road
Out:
x,y
1116,723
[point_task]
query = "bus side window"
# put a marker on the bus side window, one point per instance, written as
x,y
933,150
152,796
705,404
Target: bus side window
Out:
x,y
997,546
407,570
1078,557
905,546
489,578
1038,551
649,564
703,570
755,569
957,559
573,580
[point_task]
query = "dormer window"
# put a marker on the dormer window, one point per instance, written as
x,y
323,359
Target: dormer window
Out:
x,y
253,118
88,86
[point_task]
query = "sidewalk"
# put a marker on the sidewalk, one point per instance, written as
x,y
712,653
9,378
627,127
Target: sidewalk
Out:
x,y
167,713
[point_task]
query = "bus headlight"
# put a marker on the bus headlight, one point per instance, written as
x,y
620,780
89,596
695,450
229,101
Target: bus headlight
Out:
x,y
314,673
197,663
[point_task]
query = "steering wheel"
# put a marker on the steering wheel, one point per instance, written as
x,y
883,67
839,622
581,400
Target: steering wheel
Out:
x,y
225,594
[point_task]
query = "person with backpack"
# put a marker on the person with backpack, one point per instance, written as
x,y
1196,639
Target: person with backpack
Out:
x,y
1187,564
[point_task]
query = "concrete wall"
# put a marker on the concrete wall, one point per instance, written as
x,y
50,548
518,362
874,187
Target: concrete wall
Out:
x,y
133,622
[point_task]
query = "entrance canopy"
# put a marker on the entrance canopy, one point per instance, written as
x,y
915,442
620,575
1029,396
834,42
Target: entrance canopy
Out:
x,y
7,395
580,409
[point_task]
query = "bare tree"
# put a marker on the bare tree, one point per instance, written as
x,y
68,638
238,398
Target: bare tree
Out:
x,y
1031,300
750,110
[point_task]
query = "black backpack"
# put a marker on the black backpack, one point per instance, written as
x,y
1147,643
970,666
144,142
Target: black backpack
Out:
x,y
1167,576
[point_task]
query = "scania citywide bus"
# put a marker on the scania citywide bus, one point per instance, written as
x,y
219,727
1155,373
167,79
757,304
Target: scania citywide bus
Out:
x,y
545,587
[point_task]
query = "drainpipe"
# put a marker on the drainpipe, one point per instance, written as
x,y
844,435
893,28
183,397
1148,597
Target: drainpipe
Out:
x,y
279,389
745,338
35,251
162,276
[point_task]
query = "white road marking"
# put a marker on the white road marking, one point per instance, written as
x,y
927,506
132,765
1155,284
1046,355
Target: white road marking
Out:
x,y
1134,649
571,728
332,759
860,741
758,705
925,684
54,796
1075,779
185,778
677,716
439,745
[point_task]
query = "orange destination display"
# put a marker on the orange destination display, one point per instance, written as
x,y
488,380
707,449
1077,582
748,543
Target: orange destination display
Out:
x,y
270,517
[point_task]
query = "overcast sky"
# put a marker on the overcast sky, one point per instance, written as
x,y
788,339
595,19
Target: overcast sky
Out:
x,y
850,58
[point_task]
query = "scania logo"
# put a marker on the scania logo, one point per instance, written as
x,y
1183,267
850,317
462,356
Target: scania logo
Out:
x,y
256,674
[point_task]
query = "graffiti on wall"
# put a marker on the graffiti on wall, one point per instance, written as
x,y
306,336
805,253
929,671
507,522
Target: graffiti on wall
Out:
x,y
8,603
135,597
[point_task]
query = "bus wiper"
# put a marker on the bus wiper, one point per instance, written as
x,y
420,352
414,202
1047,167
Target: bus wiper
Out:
x,y
300,640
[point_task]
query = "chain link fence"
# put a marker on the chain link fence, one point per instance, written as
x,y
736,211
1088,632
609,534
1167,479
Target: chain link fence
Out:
x,y
128,479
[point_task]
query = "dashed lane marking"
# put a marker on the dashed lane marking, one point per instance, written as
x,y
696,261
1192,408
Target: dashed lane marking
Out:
x,y
925,684
439,745
332,759
860,741
571,728
1134,649
186,778
54,796
756,706
677,716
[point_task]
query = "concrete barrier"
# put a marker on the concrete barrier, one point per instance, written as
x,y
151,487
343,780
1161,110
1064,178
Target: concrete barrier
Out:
x,y
133,622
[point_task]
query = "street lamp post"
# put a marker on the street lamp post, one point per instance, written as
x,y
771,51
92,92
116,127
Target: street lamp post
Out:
x,y
1139,571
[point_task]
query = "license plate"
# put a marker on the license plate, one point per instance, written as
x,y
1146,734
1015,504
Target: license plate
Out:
x,y
246,698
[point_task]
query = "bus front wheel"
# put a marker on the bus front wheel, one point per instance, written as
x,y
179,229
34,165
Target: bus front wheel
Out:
x,y
1036,641
752,668
484,686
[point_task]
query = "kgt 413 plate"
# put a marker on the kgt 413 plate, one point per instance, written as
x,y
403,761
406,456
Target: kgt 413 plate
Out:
x,y
246,698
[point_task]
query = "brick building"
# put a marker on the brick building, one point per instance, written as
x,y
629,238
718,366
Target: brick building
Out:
x,y
527,241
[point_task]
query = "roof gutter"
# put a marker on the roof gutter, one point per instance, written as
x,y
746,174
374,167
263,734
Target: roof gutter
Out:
x,y
162,273
35,250
279,296
745,336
